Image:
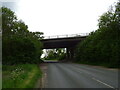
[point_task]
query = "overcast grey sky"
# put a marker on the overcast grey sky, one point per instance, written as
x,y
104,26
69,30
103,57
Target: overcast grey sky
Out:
x,y
57,17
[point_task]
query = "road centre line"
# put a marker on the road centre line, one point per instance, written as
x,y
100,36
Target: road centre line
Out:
x,y
103,83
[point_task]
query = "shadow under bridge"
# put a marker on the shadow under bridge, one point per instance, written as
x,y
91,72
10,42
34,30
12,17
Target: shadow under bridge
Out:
x,y
69,42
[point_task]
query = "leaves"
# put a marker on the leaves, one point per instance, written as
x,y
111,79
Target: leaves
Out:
x,y
102,46
55,54
19,45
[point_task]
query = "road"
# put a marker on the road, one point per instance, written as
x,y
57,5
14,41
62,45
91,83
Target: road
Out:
x,y
70,75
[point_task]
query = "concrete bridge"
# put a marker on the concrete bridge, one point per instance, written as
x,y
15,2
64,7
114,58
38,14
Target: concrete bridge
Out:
x,y
64,41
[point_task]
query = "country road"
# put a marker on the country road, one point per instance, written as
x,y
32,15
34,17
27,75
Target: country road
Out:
x,y
70,75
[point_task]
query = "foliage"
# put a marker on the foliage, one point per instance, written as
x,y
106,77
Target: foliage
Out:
x,y
102,46
55,54
20,76
19,44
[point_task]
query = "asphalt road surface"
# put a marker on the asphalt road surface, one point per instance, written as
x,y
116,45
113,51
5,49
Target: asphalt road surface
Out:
x,y
69,75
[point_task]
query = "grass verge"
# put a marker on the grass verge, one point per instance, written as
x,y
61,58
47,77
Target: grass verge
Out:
x,y
20,76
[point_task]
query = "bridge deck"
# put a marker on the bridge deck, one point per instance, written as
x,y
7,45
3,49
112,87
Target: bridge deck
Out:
x,y
61,42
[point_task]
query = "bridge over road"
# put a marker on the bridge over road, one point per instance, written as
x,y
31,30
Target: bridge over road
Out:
x,y
64,41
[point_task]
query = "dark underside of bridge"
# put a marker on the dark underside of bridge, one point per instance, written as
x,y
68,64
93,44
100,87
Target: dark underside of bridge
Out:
x,y
68,43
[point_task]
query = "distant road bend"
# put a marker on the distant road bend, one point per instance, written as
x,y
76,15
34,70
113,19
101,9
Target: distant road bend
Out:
x,y
69,75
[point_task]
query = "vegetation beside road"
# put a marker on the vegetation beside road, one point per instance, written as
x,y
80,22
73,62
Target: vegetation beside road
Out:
x,y
21,51
19,44
20,76
102,47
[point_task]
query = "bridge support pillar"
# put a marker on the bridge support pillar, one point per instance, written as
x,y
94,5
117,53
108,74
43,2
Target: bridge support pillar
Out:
x,y
70,53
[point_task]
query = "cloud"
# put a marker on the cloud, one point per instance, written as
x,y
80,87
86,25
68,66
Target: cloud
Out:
x,y
54,17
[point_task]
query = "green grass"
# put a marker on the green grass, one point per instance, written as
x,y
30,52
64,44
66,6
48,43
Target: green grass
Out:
x,y
20,76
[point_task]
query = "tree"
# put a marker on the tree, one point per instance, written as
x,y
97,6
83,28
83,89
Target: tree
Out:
x,y
55,54
8,20
102,46
19,45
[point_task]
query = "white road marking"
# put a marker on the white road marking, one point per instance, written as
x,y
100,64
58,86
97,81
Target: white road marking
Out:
x,y
103,83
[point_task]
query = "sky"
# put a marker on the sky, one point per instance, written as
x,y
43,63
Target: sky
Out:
x,y
60,17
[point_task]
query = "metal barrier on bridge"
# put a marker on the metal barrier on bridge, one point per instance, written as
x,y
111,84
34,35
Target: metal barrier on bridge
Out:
x,y
66,36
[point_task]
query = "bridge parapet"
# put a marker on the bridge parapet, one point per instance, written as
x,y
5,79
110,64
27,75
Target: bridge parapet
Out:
x,y
66,36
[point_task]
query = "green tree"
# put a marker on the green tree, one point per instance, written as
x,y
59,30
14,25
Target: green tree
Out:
x,y
19,45
56,54
8,20
102,46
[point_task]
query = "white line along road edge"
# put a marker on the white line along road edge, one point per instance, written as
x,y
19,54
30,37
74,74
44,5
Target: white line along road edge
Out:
x,y
103,83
